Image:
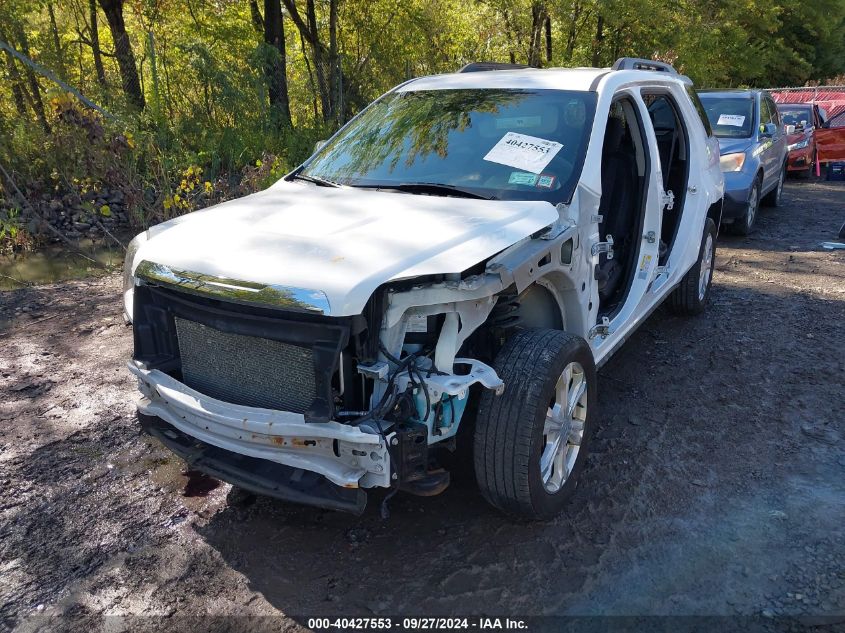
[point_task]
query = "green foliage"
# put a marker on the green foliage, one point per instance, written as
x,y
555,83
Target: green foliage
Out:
x,y
202,70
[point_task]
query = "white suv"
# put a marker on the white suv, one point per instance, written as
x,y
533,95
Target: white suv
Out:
x,y
448,269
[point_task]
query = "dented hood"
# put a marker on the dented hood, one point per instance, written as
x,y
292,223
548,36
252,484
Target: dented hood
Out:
x,y
343,242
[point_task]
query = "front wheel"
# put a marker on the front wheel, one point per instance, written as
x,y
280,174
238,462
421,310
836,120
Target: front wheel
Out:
x,y
530,443
775,197
690,297
743,225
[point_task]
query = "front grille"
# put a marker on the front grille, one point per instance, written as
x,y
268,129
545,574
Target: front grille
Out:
x,y
246,370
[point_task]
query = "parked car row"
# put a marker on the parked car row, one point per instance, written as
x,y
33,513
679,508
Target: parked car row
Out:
x,y
753,147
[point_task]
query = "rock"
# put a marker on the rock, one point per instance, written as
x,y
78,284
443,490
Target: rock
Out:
x,y
357,535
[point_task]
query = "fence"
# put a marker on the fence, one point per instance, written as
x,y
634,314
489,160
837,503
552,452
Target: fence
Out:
x,y
829,98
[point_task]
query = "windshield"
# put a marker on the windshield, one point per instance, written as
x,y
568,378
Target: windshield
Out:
x,y
796,116
491,143
730,117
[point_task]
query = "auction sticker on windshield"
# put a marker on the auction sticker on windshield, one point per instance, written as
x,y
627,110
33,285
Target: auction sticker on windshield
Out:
x,y
528,153
731,119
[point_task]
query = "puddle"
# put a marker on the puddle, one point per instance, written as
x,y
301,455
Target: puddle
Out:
x,y
198,484
169,473
56,263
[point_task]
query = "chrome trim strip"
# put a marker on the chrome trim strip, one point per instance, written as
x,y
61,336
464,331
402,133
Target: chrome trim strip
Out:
x,y
235,290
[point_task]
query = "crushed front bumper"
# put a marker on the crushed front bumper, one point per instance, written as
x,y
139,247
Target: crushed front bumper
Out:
x,y
347,456
260,476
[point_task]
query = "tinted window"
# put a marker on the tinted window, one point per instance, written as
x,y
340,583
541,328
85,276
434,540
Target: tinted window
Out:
x,y
773,110
765,115
730,116
443,137
796,115
700,109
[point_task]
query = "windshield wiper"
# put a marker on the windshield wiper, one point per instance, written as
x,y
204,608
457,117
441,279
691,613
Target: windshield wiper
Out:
x,y
322,182
430,187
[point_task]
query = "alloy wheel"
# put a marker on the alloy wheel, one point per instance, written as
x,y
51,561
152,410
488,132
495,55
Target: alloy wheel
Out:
x,y
706,269
563,430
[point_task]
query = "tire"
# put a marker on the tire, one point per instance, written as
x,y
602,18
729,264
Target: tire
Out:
x,y
690,297
743,225
514,431
775,197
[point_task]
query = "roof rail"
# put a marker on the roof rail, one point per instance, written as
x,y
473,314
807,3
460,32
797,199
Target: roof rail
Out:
x,y
635,63
476,67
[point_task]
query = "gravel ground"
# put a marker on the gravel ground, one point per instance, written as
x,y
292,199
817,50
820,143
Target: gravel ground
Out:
x,y
715,484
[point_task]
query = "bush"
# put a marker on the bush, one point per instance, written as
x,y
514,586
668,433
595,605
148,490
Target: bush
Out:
x,y
139,170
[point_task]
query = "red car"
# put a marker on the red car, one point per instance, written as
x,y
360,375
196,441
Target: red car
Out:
x,y
800,121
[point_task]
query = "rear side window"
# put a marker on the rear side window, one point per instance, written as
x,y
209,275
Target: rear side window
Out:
x,y
765,114
774,110
693,96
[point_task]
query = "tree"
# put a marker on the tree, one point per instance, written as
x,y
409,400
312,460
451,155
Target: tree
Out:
x,y
34,94
14,80
123,52
276,66
539,20
95,44
326,62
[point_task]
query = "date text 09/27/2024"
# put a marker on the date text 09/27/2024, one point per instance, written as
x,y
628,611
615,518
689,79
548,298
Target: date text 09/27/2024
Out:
x,y
417,624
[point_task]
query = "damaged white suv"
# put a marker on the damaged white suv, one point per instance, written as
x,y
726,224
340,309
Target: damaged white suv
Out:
x,y
450,267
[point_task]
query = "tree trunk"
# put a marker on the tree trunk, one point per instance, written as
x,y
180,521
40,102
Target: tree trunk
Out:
x,y
310,76
334,62
14,80
319,56
60,55
255,16
573,31
509,33
597,42
548,38
95,44
539,14
32,80
276,68
322,56
123,51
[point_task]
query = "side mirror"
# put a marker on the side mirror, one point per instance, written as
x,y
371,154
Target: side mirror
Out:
x,y
318,145
768,130
789,129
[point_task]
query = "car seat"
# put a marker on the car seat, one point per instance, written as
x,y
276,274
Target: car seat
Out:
x,y
617,206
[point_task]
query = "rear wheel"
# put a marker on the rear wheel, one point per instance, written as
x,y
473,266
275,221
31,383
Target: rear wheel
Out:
x,y
690,297
530,443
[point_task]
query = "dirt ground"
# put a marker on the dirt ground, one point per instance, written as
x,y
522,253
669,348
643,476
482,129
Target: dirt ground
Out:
x,y
715,485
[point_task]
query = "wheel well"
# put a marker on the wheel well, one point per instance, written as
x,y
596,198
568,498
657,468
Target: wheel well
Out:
x,y
715,212
539,307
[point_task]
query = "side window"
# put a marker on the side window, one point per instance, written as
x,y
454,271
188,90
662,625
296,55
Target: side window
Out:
x,y
672,138
670,134
702,113
774,111
765,114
